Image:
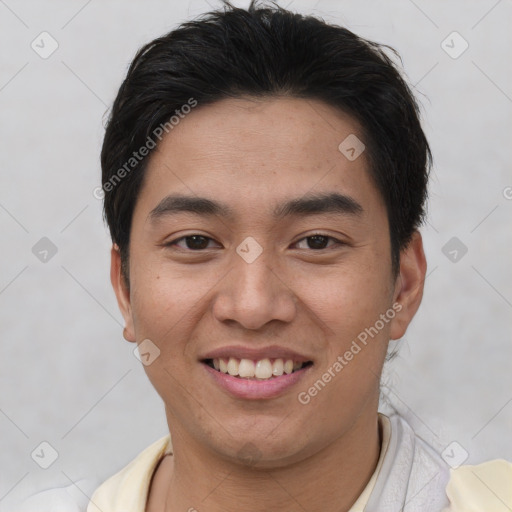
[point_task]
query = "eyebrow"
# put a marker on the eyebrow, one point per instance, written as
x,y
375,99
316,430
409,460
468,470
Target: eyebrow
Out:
x,y
312,204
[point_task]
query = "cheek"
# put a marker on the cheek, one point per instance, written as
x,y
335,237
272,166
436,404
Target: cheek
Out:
x,y
347,299
166,311
351,308
163,308
165,303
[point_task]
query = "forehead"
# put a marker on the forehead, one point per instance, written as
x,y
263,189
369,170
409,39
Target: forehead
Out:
x,y
254,151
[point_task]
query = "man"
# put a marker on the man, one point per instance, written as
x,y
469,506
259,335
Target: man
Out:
x,y
265,176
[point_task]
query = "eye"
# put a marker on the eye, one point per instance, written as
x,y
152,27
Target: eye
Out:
x,y
198,242
193,242
318,241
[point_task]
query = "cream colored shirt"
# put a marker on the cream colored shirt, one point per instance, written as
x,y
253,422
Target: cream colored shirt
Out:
x,y
485,487
128,490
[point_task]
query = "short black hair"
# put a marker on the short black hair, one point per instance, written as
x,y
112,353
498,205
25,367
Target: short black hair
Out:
x,y
268,51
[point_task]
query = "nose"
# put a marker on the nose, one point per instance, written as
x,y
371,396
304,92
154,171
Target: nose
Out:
x,y
255,293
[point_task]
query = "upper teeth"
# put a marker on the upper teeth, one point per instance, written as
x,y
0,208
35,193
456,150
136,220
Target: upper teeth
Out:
x,y
261,369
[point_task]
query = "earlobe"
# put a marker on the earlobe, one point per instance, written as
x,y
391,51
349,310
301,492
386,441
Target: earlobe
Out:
x,y
409,285
122,292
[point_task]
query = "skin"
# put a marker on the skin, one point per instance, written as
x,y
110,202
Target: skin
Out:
x,y
253,154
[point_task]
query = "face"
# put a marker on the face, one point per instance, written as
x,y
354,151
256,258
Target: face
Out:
x,y
265,273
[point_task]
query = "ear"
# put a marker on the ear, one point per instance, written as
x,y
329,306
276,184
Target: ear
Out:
x,y
409,285
122,292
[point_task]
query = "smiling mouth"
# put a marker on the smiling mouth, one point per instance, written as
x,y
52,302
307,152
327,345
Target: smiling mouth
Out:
x,y
263,369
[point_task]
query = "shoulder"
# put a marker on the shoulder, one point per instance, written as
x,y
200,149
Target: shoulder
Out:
x,y
126,490
71,498
485,487
481,488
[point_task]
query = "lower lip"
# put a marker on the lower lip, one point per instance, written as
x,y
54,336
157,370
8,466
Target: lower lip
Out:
x,y
253,389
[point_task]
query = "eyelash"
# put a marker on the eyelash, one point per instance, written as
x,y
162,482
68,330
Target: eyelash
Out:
x,y
175,241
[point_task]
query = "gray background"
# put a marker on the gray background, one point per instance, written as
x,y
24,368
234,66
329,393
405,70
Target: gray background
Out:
x,y
67,375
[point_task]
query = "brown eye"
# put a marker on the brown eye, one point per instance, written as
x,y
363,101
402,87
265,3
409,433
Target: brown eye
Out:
x,y
318,242
192,242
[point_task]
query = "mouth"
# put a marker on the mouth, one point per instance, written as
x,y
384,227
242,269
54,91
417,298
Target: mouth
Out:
x,y
256,370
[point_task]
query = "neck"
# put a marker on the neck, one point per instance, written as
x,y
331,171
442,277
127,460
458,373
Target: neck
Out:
x,y
330,480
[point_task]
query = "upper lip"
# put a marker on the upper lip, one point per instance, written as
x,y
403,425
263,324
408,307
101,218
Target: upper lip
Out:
x,y
270,352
